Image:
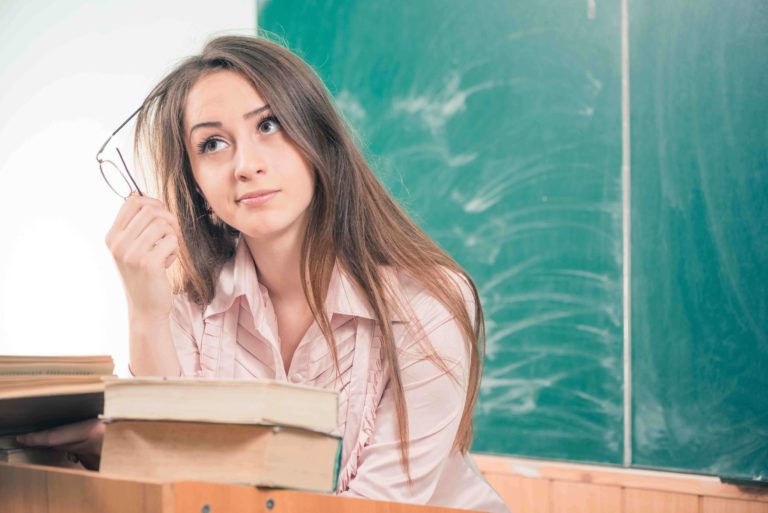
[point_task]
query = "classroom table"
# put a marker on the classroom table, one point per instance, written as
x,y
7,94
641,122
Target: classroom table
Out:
x,y
40,489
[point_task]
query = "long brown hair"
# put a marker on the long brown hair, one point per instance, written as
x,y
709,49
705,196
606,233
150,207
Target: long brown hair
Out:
x,y
352,221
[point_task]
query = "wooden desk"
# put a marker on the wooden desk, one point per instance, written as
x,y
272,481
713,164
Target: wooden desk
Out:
x,y
37,489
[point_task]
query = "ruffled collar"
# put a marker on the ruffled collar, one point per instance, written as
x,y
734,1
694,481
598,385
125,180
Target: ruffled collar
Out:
x,y
239,277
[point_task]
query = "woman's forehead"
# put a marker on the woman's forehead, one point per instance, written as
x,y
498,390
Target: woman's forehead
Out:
x,y
220,93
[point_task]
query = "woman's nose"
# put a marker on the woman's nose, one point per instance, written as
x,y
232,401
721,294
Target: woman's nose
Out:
x,y
249,162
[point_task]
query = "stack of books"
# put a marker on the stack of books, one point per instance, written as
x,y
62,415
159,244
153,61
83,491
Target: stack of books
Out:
x,y
41,392
253,432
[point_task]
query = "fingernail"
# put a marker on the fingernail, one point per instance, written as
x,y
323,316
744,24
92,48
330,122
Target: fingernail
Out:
x,y
21,439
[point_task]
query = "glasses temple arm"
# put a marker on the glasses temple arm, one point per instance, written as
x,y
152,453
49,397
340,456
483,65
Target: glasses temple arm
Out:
x,y
98,153
130,176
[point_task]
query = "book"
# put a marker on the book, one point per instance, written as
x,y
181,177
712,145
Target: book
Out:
x,y
39,456
40,392
259,401
256,455
52,365
37,385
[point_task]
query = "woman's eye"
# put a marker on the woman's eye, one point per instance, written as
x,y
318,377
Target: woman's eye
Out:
x,y
211,145
269,126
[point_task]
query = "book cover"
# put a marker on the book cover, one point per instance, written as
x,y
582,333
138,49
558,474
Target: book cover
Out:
x,y
40,392
257,455
258,401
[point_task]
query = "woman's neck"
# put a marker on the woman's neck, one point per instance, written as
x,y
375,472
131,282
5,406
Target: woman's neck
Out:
x,y
277,263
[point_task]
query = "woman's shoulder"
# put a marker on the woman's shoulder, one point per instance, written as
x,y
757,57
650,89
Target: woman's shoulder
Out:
x,y
430,325
412,293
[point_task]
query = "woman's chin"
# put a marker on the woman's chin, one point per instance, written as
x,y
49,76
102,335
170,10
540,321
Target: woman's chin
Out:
x,y
265,233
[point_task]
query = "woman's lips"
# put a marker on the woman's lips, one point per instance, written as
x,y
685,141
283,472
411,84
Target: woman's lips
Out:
x,y
254,200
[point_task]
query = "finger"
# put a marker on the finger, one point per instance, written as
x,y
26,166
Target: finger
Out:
x,y
162,253
88,453
170,260
80,448
144,254
121,241
126,215
68,434
132,207
146,216
152,235
166,250
129,209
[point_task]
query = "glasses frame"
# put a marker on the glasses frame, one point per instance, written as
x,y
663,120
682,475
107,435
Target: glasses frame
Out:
x,y
127,176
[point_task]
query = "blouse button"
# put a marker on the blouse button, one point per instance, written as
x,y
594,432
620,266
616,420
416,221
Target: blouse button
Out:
x,y
296,378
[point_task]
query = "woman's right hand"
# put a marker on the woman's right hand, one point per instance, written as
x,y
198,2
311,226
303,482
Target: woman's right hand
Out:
x,y
144,241
83,439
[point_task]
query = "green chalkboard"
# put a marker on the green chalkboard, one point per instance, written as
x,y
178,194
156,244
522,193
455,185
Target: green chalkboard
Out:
x,y
498,125
700,235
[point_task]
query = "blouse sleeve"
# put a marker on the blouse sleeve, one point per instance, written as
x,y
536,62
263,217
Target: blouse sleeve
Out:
x,y
186,330
434,405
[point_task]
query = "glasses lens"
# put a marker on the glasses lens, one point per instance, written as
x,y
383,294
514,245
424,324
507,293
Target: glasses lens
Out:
x,y
115,178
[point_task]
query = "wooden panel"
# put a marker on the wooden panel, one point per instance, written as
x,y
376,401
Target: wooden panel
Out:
x,y
522,494
192,497
85,492
19,490
585,498
714,505
643,501
39,489
673,482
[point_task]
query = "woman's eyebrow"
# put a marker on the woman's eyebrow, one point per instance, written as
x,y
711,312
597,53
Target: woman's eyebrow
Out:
x,y
256,111
217,124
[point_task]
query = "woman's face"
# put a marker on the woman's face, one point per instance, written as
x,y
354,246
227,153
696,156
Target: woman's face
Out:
x,y
251,173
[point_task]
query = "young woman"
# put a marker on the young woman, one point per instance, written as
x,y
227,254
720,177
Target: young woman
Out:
x,y
290,261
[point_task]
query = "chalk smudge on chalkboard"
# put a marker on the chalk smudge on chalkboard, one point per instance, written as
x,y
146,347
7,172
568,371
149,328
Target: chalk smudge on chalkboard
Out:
x,y
350,106
500,303
435,111
485,248
603,335
603,279
517,395
439,148
492,191
508,173
487,240
595,83
512,272
510,328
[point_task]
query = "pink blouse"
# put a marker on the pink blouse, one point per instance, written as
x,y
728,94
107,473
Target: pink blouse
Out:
x,y
236,337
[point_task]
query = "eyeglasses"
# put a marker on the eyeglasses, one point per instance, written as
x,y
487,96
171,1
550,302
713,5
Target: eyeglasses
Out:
x,y
119,179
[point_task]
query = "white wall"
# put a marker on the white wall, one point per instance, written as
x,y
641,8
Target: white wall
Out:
x,y
70,72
